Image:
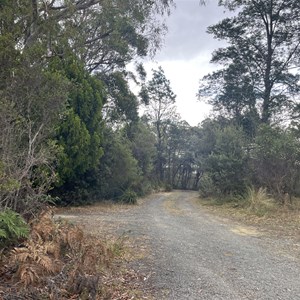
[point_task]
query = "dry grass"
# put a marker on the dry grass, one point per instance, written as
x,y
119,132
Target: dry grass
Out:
x,y
103,206
259,210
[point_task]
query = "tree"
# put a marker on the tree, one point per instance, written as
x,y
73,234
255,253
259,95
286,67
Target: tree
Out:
x,y
104,34
261,60
118,169
160,111
121,103
142,142
182,146
29,109
50,52
275,160
79,133
227,164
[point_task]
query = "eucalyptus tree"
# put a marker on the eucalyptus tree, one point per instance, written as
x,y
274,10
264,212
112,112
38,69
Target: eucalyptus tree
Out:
x,y
160,110
183,164
260,71
105,34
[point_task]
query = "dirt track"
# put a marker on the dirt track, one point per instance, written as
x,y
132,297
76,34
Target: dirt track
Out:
x,y
187,253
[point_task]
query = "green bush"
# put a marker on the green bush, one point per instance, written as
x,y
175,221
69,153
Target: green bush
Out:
x,y
143,188
207,188
227,165
168,187
275,160
129,197
12,228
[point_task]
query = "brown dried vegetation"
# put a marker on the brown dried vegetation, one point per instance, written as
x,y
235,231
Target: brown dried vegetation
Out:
x,y
59,261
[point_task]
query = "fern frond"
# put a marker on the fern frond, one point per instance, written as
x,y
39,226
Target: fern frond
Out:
x,y
3,234
52,248
28,275
12,227
46,264
21,255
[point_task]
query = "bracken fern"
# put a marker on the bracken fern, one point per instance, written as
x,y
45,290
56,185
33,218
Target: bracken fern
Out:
x,y
12,228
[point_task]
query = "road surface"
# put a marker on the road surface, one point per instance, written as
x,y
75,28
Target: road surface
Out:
x,y
193,254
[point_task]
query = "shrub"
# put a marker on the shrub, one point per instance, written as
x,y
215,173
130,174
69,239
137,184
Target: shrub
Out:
x,y
12,228
129,197
275,160
207,188
168,187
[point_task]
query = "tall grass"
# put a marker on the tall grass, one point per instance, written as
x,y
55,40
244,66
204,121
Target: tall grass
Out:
x,y
258,201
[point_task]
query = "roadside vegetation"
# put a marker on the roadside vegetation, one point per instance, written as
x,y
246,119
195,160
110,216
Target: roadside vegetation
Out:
x,y
71,133
251,161
57,260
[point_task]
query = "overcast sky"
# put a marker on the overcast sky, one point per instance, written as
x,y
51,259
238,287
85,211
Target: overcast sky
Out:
x,y
186,54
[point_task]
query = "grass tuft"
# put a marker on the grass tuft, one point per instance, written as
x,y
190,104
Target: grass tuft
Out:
x,y
259,202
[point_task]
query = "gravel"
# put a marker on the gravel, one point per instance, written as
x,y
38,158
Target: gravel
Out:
x,y
195,255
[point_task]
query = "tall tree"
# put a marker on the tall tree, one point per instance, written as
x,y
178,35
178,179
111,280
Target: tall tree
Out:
x,y
183,166
261,61
160,110
105,34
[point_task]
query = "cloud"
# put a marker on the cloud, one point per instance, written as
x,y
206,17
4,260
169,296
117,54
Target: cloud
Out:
x,y
184,77
187,37
186,54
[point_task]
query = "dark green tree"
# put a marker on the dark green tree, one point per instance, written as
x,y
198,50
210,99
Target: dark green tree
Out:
x,y
223,158
80,132
118,169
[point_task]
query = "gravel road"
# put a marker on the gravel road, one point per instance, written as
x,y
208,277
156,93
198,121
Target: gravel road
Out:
x,y
196,255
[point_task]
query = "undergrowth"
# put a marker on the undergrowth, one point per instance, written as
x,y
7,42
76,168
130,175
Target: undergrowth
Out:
x,y
58,261
257,206
259,202
128,197
13,228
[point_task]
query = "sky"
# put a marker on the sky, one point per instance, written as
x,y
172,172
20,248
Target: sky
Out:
x,y
186,53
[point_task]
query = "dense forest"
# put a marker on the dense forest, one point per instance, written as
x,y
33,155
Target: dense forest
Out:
x,y
71,127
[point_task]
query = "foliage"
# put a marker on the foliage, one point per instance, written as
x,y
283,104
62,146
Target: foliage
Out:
x,y
168,188
116,171
182,152
232,160
275,159
118,168
128,197
260,60
258,201
121,103
207,188
50,52
75,140
13,228
227,165
160,110
29,112
142,143
79,132
57,261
